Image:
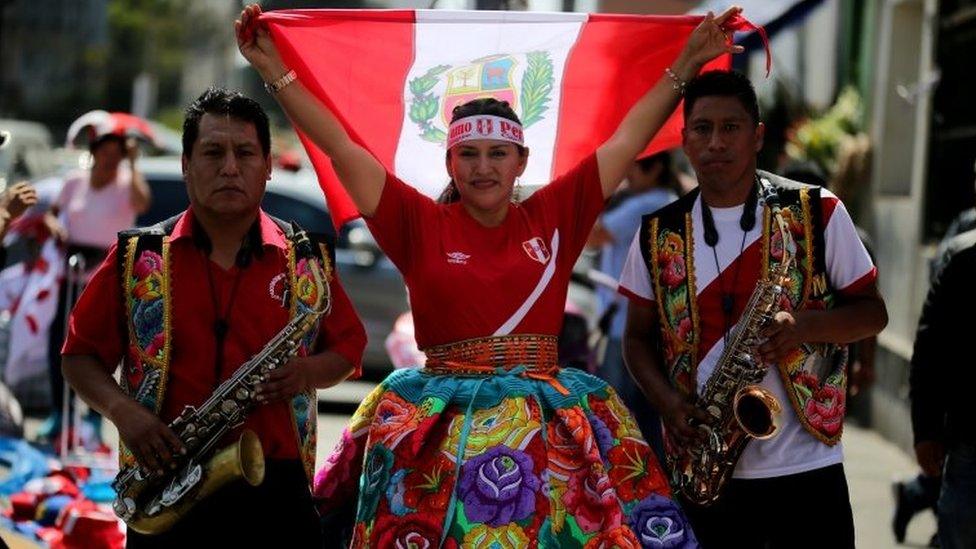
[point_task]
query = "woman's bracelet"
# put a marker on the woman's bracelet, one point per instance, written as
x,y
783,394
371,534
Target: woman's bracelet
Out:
x,y
279,84
677,83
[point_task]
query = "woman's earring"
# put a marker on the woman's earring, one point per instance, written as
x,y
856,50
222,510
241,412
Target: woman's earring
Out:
x,y
517,191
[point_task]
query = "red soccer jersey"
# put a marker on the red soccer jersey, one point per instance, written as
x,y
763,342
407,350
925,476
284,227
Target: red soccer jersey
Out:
x,y
97,325
467,280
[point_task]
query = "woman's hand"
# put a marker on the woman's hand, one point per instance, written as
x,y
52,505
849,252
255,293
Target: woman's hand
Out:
x,y
711,39
256,46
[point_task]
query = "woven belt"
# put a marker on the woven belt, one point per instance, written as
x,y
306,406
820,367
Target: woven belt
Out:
x,y
531,356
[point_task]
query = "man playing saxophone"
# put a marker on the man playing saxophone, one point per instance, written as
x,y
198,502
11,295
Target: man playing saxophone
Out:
x,y
185,303
746,288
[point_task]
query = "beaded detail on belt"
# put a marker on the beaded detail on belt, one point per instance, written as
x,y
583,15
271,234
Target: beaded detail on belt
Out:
x,y
530,355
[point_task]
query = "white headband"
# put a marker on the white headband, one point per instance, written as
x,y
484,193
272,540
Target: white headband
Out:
x,y
484,126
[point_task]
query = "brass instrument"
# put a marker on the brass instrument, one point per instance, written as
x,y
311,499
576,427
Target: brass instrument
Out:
x,y
738,408
151,503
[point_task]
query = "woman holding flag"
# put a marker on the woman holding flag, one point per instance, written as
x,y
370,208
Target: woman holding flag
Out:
x,y
491,444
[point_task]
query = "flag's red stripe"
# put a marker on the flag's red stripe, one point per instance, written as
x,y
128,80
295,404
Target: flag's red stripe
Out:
x,y
627,52
362,59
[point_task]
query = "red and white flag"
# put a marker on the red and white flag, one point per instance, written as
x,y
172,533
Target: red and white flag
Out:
x,y
393,76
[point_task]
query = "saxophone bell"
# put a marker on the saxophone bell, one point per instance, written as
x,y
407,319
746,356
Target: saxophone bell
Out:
x,y
757,412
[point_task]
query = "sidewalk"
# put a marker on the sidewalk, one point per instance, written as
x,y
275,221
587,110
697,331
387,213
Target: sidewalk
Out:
x,y
872,463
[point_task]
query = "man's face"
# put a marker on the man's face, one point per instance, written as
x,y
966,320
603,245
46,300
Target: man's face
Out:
x,y
721,141
227,170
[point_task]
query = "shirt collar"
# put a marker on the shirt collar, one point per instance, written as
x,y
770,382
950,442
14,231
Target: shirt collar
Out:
x,y
271,233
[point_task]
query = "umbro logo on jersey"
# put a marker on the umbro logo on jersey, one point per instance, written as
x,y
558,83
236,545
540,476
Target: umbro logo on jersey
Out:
x,y
537,250
458,258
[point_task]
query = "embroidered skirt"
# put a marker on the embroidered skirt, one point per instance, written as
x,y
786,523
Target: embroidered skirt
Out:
x,y
511,457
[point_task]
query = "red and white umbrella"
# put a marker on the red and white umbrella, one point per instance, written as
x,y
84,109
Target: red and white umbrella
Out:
x,y
99,123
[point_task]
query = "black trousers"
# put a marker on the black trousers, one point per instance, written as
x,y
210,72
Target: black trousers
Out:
x,y
278,513
810,509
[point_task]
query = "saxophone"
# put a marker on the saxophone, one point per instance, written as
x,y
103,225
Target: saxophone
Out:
x,y
151,503
738,408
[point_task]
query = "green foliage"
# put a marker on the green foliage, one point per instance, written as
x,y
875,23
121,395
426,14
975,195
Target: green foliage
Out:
x,y
818,139
146,36
536,87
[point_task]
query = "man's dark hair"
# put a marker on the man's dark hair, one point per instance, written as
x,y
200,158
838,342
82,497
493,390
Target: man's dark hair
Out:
x,y
724,84
225,102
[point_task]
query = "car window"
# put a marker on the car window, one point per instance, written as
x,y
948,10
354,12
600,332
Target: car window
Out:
x,y
312,218
168,199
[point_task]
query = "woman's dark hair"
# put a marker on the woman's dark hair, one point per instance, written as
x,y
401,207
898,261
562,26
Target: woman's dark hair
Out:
x,y
225,102
722,84
97,143
475,107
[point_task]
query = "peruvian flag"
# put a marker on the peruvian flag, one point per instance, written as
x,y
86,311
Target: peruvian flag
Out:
x,y
393,76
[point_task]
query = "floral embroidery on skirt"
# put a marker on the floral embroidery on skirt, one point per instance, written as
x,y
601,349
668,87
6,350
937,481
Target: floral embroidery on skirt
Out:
x,y
537,468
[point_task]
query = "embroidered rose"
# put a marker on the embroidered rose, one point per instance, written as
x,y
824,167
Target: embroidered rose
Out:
x,y
395,419
684,329
149,288
673,270
620,537
306,291
376,477
498,486
658,523
511,423
592,502
149,262
413,531
570,441
155,347
336,477
825,410
634,471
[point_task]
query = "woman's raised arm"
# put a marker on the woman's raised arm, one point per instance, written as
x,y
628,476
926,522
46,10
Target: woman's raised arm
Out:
x,y
645,118
362,175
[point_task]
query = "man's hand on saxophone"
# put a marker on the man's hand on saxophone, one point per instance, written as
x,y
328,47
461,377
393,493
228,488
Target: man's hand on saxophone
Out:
x,y
680,414
302,373
150,440
784,334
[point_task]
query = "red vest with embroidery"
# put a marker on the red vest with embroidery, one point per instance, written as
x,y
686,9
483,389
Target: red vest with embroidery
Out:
x,y
144,264
815,375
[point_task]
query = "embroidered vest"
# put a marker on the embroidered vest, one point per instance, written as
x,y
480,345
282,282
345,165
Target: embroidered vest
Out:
x,y
815,375
144,265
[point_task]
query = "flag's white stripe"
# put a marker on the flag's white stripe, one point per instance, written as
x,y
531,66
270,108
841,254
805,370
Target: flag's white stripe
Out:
x,y
547,274
457,39
482,17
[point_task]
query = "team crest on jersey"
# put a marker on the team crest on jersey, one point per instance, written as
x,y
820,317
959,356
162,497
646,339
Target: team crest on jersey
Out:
x,y
536,249
489,76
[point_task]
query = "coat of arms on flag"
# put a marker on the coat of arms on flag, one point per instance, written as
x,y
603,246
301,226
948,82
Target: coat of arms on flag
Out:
x,y
537,250
489,76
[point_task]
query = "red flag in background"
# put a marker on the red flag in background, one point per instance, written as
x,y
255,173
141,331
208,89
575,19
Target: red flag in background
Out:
x,y
393,76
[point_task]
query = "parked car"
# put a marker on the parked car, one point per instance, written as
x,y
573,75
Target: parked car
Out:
x,y
29,153
369,277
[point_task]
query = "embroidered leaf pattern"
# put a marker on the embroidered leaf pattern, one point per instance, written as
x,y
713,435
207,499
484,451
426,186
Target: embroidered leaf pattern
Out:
x,y
536,87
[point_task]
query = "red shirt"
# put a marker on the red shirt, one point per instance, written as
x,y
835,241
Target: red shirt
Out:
x,y
467,280
97,325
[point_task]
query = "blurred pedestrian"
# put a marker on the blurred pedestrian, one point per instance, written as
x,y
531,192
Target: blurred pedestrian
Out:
x,y
13,202
92,207
650,185
943,418
921,492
